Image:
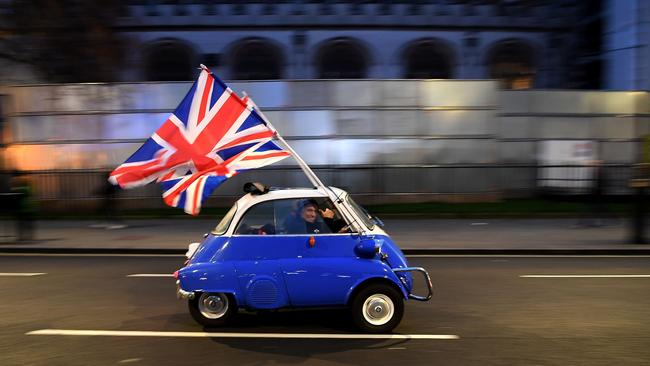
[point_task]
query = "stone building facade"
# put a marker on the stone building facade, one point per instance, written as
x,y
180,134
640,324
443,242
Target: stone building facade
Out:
x,y
524,43
555,44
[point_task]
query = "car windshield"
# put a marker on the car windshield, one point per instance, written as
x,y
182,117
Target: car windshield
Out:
x,y
361,213
225,222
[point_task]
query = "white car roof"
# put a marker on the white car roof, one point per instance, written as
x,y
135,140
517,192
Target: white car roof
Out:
x,y
284,193
249,200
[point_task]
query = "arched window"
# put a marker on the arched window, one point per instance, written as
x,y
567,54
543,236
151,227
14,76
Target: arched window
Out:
x,y
428,59
169,61
256,59
512,62
342,59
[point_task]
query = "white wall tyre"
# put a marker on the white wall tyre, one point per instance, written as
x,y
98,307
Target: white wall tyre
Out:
x,y
212,309
377,308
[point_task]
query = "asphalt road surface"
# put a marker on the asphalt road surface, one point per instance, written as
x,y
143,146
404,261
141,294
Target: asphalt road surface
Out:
x,y
485,311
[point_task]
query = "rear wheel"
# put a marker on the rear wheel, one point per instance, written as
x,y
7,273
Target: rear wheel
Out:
x,y
212,309
377,308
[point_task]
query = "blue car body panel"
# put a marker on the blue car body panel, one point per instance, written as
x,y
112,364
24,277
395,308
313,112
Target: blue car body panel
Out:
x,y
206,277
277,271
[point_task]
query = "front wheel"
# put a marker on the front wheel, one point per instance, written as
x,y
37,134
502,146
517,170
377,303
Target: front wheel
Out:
x,y
212,309
377,308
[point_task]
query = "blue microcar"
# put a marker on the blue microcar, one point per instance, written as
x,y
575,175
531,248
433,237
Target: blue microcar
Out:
x,y
298,248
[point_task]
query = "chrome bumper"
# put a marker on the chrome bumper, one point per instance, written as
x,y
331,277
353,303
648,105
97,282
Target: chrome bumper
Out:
x,y
182,294
427,279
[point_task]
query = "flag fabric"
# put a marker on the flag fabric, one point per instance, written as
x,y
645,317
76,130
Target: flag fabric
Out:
x,y
211,136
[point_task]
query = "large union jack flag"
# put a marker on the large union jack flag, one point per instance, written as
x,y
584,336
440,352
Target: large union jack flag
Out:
x,y
212,135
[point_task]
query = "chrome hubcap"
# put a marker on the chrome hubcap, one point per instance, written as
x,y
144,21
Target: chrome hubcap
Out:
x,y
213,306
378,309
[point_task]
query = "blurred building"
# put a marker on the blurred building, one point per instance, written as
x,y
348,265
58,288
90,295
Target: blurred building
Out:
x,y
410,127
524,43
626,44
586,44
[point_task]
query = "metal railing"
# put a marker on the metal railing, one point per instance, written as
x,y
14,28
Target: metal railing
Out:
x,y
62,190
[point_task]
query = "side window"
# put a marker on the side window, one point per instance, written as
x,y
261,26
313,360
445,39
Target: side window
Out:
x,y
332,217
308,216
258,220
286,215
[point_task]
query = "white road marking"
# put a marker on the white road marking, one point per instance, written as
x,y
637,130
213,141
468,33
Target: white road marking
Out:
x,y
589,276
130,360
409,256
86,255
521,256
478,223
116,333
21,274
151,275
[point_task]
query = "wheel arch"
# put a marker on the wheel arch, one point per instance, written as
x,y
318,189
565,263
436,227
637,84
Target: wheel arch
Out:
x,y
374,281
214,290
211,277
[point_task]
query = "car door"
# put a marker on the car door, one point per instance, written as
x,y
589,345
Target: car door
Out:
x,y
320,269
254,251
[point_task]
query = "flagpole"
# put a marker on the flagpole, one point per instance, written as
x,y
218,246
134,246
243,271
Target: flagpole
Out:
x,y
303,165
307,170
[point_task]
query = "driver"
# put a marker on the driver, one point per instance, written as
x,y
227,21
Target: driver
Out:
x,y
307,222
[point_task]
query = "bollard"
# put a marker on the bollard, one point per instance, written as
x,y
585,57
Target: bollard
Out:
x,y
640,184
638,217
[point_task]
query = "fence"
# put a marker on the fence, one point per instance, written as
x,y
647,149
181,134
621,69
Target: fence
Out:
x,y
382,140
69,190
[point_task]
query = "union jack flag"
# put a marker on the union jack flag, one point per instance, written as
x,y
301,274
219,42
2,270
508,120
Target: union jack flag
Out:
x,y
211,136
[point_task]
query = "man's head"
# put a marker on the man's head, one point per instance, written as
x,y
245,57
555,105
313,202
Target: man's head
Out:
x,y
309,211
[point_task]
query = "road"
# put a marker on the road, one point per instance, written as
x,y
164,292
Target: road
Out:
x,y
499,317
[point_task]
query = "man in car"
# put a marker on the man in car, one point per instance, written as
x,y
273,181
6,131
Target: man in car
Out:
x,y
308,220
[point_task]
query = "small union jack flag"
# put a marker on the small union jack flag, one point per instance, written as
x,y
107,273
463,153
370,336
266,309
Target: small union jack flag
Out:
x,y
211,136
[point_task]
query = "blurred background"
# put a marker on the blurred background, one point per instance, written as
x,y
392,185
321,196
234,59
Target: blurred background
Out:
x,y
409,102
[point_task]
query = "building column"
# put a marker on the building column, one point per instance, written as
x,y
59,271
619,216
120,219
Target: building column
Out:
x,y
468,62
621,44
297,66
643,55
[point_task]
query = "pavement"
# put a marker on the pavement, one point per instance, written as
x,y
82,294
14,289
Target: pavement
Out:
x,y
413,235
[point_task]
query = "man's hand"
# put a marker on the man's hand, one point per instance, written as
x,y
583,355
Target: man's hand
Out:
x,y
327,213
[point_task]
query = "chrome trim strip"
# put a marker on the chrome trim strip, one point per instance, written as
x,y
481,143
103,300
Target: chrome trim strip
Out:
x,y
292,235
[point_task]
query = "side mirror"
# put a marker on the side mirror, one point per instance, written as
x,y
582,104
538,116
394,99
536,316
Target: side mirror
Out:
x,y
367,248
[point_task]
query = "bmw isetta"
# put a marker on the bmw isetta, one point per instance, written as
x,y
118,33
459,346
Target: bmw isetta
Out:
x,y
298,248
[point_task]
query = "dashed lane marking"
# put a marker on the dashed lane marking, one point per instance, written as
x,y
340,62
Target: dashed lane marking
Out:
x,y
151,275
408,255
130,360
589,276
525,256
115,333
8,274
87,255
